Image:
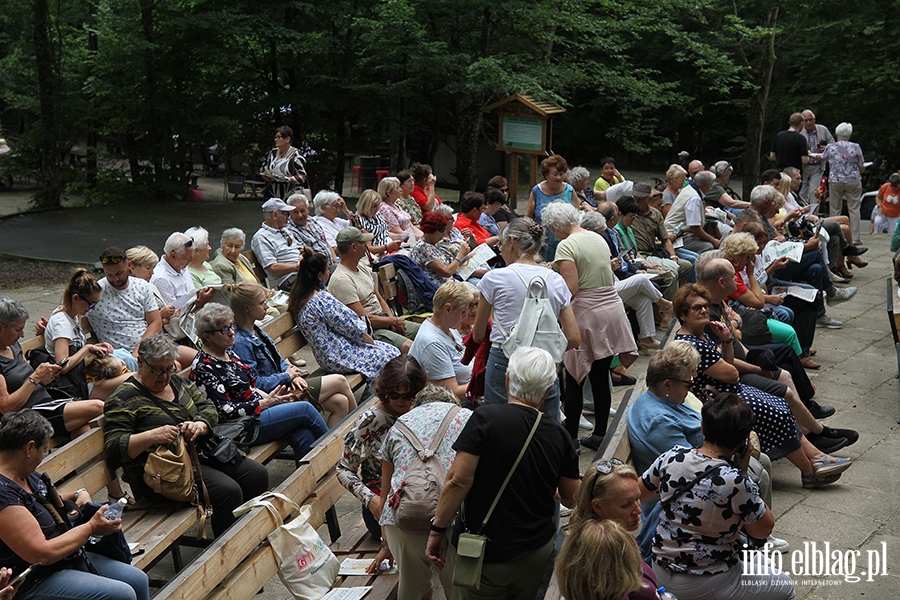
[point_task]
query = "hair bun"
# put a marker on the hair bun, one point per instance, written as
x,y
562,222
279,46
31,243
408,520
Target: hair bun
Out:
x,y
535,230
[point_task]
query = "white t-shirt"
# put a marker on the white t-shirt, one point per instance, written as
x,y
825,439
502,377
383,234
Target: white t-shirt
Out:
x,y
119,317
505,291
694,212
61,325
176,287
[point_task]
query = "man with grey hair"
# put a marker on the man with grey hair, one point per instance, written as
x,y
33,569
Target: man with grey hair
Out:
x,y
306,231
687,219
812,268
521,528
353,284
172,278
789,147
275,250
817,137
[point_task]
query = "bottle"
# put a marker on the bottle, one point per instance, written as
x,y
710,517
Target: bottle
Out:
x,y
664,595
113,512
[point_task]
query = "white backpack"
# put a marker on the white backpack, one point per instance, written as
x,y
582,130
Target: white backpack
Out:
x,y
538,325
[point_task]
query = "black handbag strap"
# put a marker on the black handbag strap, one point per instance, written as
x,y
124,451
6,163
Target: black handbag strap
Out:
x,y
686,487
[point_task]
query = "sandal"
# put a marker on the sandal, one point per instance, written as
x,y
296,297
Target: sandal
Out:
x,y
827,465
812,482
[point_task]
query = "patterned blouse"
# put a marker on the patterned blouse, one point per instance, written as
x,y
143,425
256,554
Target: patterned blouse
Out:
x,y
229,384
395,217
288,172
411,208
424,254
312,235
424,421
844,161
335,333
698,532
359,469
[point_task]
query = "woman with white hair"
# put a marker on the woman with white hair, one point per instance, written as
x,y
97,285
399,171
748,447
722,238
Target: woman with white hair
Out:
x,y
583,260
328,204
521,527
846,165
202,273
230,265
578,179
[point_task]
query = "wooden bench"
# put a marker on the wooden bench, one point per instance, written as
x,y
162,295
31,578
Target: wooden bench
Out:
x,y
239,562
257,269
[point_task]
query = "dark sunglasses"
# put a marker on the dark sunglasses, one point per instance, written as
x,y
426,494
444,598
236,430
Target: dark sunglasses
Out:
x,y
408,396
112,260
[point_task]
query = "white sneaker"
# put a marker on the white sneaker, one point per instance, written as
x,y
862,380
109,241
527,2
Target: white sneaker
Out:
x,y
585,424
612,412
777,544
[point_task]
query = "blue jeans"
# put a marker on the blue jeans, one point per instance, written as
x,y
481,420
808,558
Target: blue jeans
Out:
x,y
495,385
299,422
690,256
117,581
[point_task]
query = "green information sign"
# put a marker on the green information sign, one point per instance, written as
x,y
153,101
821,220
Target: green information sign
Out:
x,y
522,134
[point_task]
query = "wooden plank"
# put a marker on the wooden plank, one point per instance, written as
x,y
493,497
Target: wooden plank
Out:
x,y
279,326
93,479
247,579
263,452
289,344
257,269
349,541
73,455
31,344
163,536
619,446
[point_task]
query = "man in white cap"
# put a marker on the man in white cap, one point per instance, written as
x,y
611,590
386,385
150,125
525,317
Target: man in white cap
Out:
x,y
275,249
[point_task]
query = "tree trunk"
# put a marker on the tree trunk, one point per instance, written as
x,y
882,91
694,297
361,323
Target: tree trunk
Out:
x,y
51,191
757,113
469,118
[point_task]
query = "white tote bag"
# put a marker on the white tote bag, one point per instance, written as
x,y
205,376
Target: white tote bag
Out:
x,y
306,565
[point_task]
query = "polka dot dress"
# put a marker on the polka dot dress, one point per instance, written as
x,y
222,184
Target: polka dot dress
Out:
x,y
778,432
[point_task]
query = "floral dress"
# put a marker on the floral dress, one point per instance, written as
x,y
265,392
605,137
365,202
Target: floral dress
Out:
x,y
229,384
335,333
778,432
359,469
424,254
412,209
395,217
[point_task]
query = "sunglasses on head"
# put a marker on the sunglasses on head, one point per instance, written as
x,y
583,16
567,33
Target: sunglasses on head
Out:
x,y
608,466
112,260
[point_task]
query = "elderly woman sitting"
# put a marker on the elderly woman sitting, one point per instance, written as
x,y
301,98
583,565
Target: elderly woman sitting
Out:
x,y
437,262
230,384
230,265
64,565
399,222
156,406
578,178
24,387
202,273
371,221
328,204
307,231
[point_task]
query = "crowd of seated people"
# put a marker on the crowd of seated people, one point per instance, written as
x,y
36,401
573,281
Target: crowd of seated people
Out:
x,y
628,247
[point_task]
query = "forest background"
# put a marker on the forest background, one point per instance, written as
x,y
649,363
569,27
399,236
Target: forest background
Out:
x,y
143,85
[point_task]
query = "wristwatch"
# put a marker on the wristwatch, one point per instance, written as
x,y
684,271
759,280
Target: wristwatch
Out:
x,y
435,528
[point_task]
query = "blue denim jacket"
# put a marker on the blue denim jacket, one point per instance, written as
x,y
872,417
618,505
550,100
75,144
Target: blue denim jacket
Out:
x,y
258,352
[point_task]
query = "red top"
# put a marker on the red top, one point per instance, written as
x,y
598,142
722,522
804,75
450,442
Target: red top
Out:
x,y
741,287
421,197
480,233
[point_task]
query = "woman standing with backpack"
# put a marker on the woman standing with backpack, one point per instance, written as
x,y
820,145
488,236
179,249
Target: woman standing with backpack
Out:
x,y
503,293
435,419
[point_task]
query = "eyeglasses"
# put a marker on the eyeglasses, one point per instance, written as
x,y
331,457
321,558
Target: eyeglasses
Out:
x,y
407,396
687,382
606,467
112,260
225,330
91,305
699,308
159,371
